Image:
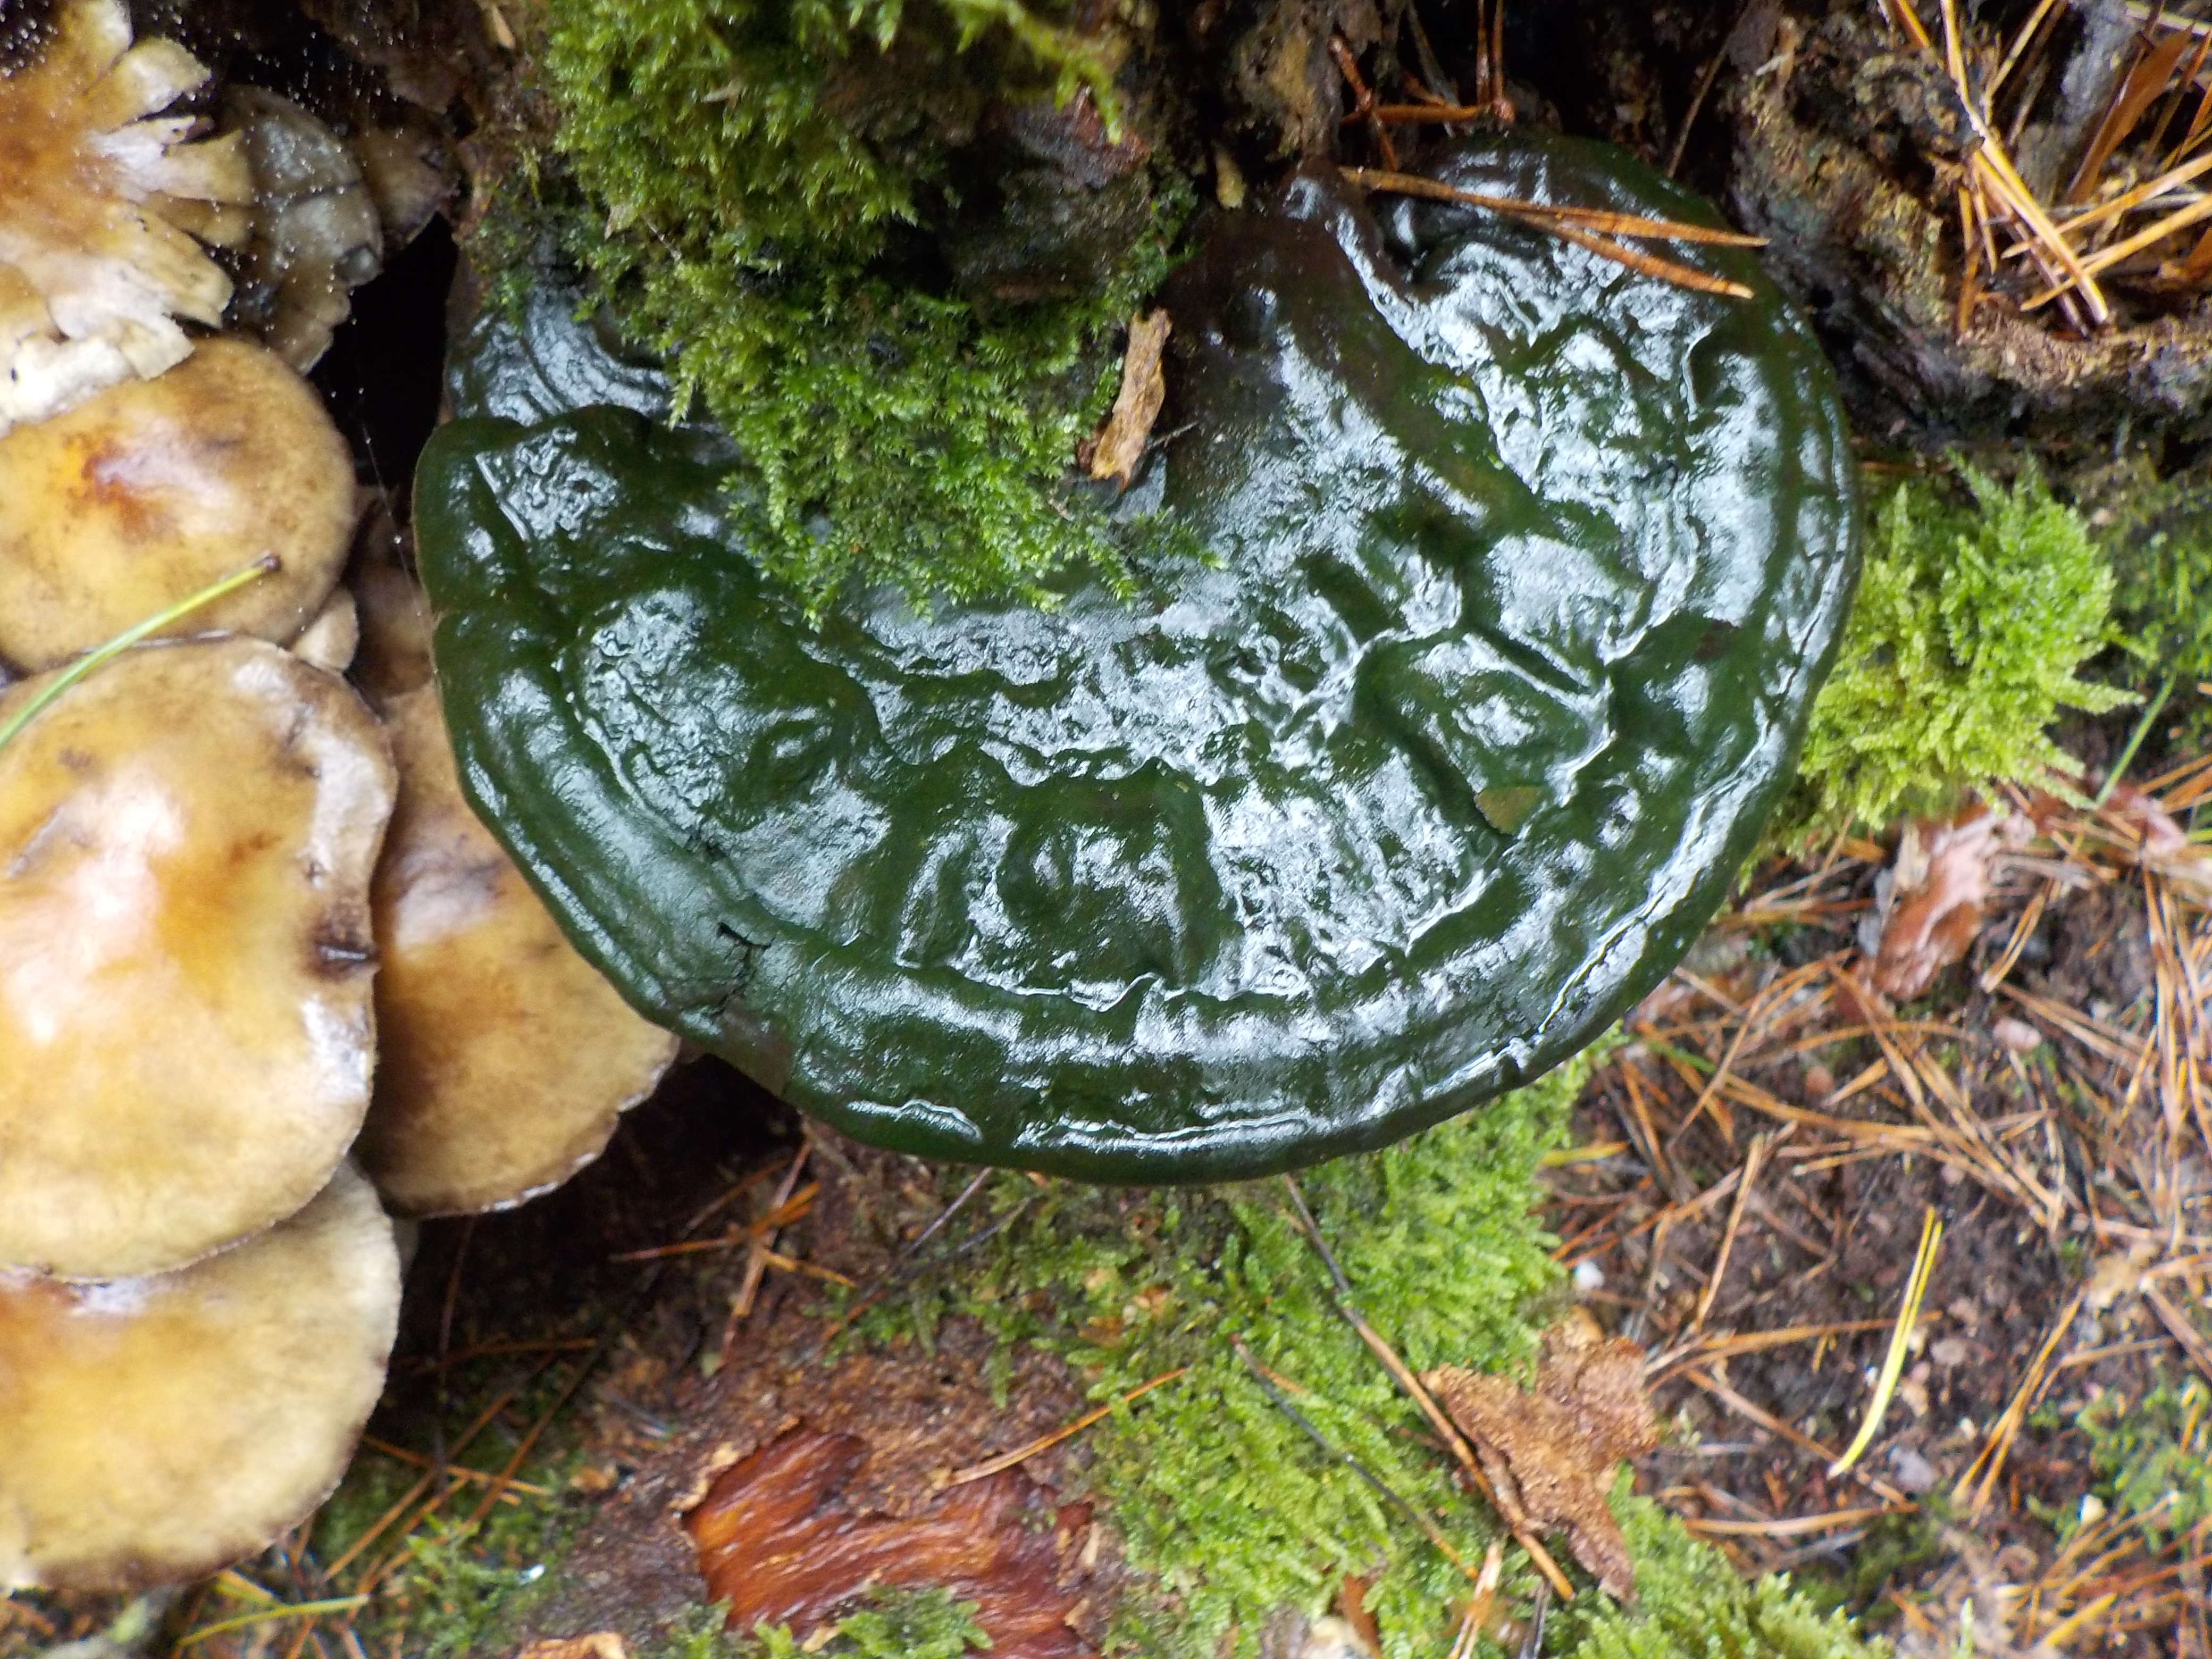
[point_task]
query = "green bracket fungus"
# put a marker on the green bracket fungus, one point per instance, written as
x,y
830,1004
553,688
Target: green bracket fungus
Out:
x,y
1520,573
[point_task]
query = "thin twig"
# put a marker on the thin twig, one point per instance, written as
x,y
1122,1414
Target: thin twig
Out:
x,y
1429,1528
741,1307
1753,1159
1044,1442
1438,1419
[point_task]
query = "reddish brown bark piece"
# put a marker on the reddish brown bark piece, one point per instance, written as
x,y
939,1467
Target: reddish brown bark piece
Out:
x,y
776,1537
1550,1454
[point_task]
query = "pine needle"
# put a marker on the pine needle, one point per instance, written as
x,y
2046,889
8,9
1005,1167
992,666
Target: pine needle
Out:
x,y
300,1610
1045,1442
1893,1364
266,565
1568,225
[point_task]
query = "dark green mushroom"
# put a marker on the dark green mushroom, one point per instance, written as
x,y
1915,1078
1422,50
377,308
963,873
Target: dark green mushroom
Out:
x,y
1520,571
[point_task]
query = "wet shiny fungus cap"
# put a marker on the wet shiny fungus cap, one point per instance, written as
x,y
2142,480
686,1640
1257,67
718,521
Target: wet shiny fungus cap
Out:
x,y
1521,571
186,1033
158,1428
506,1058
153,489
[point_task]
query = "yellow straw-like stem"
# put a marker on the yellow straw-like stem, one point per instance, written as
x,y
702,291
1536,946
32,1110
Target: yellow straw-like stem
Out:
x,y
1893,1366
130,637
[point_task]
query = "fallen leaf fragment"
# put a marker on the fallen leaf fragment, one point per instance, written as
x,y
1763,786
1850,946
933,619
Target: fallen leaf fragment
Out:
x,y
1929,901
2165,850
1550,1454
1119,444
778,1539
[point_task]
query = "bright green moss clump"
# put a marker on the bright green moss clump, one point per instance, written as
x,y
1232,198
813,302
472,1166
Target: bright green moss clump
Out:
x,y
892,1623
1224,1500
776,182
2160,535
2153,1457
1971,622
1690,1604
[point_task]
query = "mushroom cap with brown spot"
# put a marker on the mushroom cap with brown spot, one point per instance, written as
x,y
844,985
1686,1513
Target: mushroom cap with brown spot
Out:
x,y
506,1058
186,1032
152,490
158,1428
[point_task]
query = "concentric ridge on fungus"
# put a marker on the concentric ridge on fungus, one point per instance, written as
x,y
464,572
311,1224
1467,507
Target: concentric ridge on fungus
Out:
x,y
1523,572
103,200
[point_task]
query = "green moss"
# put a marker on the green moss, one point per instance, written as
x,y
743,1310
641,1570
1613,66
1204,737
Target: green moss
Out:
x,y
767,182
1691,1605
2153,1457
1225,1502
458,1589
1215,1491
2160,537
890,1624
1971,623
464,1586
697,1632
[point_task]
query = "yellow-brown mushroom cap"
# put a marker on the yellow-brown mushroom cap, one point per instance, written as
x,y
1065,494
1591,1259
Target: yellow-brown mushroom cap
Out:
x,y
97,191
506,1058
186,1031
157,1428
152,490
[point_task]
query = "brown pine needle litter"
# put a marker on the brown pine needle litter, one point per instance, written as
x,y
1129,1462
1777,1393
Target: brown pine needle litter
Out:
x,y
2039,1110
2127,212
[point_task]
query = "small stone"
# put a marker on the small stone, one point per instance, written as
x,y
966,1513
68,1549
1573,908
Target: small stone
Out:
x,y
2016,1035
1914,1473
1820,1081
1588,1278
1948,1352
1333,1638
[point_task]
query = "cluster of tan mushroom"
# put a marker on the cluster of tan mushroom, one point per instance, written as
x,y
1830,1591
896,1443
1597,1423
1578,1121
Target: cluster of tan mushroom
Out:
x,y
262,974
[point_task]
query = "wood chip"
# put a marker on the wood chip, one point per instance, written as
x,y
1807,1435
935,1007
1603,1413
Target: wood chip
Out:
x,y
1119,445
782,1537
601,1645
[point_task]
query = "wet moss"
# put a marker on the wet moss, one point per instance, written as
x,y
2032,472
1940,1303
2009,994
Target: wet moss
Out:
x,y
1229,1510
777,198
1691,1605
1973,619
2152,1457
